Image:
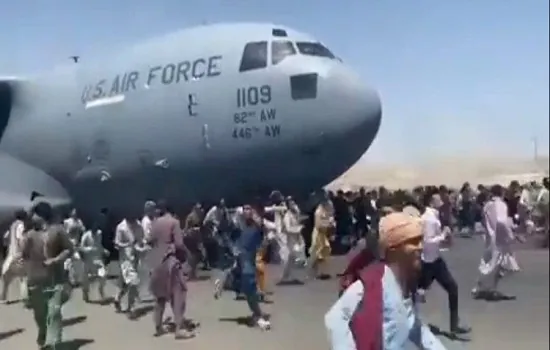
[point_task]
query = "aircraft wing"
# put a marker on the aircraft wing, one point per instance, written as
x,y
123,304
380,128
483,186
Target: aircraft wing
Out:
x,y
23,185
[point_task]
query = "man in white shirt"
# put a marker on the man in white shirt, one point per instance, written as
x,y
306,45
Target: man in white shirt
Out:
x,y
129,240
74,227
541,210
433,265
92,253
148,217
217,231
13,267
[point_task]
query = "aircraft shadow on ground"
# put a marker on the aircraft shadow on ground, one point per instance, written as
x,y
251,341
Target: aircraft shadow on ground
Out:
x,y
8,334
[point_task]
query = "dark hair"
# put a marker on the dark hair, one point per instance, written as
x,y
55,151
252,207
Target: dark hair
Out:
x,y
20,214
35,223
497,190
44,210
464,187
427,199
164,207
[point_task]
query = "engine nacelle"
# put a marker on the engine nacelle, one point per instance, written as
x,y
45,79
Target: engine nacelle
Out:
x,y
6,101
22,186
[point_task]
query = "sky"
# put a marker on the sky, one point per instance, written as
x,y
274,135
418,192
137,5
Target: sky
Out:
x,y
456,78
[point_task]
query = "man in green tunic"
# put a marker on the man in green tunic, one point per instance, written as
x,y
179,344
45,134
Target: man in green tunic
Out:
x,y
45,250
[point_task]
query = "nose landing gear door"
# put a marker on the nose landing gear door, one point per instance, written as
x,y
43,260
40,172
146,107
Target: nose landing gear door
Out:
x,y
193,112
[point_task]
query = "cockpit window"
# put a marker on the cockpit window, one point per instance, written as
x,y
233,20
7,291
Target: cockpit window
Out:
x,y
254,56
314,49
278,32
280,50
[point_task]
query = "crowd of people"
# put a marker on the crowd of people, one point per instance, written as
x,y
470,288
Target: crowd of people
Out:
x,y
397,237
380,288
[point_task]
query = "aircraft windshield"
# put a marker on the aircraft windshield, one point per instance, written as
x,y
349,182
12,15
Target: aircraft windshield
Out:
x,y
254,56
314,49
280,50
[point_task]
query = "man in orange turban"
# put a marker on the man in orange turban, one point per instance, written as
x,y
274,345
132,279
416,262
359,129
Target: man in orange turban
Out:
x,y
377,311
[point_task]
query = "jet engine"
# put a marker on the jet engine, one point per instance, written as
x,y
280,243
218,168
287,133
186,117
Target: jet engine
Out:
x,y
23,185
5,105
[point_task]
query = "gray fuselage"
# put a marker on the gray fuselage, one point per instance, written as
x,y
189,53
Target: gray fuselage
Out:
x,y
179,117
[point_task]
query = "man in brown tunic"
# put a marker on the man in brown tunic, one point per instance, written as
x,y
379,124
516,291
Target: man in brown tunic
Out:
x,y
192,239
168,277
44,251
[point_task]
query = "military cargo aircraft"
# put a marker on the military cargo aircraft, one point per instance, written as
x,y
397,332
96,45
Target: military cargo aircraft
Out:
x,y
213,111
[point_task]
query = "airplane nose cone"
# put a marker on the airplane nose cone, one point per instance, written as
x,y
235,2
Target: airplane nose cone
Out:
x,y
366,117
338,128
359,115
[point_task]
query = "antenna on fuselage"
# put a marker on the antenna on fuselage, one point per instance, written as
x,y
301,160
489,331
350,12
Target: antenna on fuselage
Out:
x,y
75,58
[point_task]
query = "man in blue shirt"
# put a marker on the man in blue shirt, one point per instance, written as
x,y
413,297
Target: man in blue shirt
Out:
x,y
401,246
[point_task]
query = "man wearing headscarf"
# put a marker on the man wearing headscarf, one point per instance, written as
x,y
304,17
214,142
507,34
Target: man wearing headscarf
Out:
x,y
168,282
498,238
377,311
364,253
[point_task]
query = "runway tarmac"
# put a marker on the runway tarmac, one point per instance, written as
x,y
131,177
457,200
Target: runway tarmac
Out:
x,y
297,314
